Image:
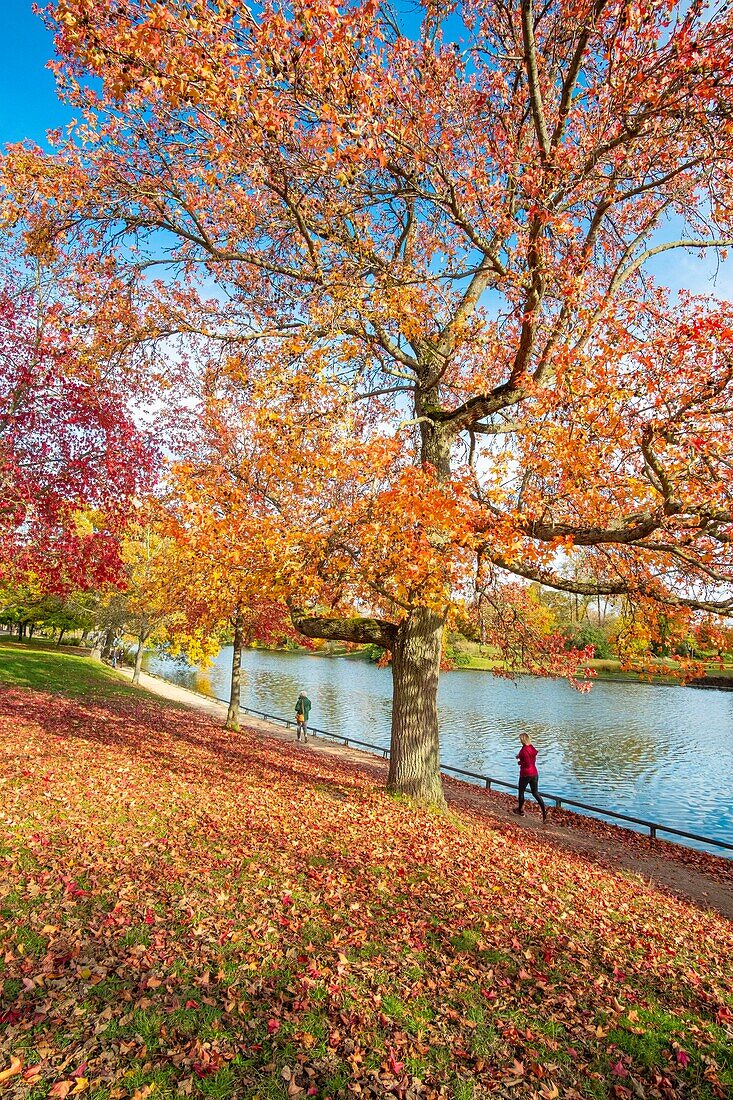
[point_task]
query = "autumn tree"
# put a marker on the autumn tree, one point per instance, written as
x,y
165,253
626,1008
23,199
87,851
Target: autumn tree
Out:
x,y
451,216
148,603
71,456
219,523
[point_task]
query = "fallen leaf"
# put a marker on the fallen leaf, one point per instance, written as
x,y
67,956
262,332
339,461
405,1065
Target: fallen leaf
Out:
x,y
16,1064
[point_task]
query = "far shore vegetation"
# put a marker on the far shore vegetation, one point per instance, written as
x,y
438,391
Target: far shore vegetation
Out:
x,y
620,650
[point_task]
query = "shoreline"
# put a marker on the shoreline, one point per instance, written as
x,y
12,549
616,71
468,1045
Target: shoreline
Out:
x,y
328,740
705,683
704,878
708,683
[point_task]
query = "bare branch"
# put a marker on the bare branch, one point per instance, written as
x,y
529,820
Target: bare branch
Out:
x,y
550,579
535,95
572,74
624,274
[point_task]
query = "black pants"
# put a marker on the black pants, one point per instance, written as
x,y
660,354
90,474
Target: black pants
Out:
x,y
532,782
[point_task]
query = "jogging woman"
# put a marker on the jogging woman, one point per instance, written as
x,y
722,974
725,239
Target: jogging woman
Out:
x,y
528,776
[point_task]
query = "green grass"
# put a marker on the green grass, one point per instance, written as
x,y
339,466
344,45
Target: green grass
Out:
x,y
463,1090
60,673
138,934
31,942
466,941
646,1040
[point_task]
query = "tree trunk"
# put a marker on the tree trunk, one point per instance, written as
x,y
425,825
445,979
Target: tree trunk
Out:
x,y
414,767
109,637
141,638
415,644
61,638
232,722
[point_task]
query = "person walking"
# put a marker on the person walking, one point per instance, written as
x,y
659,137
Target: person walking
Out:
x,y
528,776
302,713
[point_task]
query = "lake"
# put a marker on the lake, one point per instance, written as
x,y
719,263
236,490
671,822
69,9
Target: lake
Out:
x,y
663,753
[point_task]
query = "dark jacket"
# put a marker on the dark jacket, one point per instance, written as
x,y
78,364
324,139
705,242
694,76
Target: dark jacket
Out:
x,y
303,706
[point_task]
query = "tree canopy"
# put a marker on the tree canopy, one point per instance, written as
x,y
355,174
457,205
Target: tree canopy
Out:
x,y
71,456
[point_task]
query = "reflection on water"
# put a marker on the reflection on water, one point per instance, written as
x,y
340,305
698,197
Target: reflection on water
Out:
x,y
664,753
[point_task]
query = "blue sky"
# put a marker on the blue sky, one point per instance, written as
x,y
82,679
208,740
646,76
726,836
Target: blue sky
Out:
x,y
28,103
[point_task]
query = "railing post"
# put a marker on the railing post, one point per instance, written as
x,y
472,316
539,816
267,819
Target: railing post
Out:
x,y
487,784
558,803
652,832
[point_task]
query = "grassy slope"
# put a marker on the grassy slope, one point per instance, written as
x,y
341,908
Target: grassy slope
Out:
x,y
46,669
188,912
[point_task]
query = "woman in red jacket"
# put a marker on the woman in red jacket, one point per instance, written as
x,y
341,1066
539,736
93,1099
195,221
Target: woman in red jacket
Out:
x,y
528,776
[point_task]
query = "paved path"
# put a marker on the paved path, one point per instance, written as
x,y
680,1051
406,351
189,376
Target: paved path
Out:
x,y
710,888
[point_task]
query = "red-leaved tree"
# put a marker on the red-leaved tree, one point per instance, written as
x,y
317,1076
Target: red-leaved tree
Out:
x,y
71,456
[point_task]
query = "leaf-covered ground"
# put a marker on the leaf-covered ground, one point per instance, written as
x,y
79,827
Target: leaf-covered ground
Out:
x,y
189,912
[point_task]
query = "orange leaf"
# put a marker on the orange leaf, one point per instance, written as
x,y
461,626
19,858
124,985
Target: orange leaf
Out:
x,y
16,1064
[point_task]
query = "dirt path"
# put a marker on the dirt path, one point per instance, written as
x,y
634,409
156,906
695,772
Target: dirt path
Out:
x,y
669,867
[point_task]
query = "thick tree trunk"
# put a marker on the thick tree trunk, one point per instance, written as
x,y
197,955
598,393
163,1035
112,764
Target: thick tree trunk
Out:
x,y
415,644
232,722
109,637
414,767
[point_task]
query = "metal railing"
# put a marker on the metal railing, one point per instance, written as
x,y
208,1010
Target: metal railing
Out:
x,y
489,781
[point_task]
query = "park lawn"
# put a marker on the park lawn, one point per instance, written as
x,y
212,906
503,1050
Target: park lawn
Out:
x,y
188,912
38,666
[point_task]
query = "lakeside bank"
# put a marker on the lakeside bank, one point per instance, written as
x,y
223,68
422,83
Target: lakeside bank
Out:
x,y
603,668
644,751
